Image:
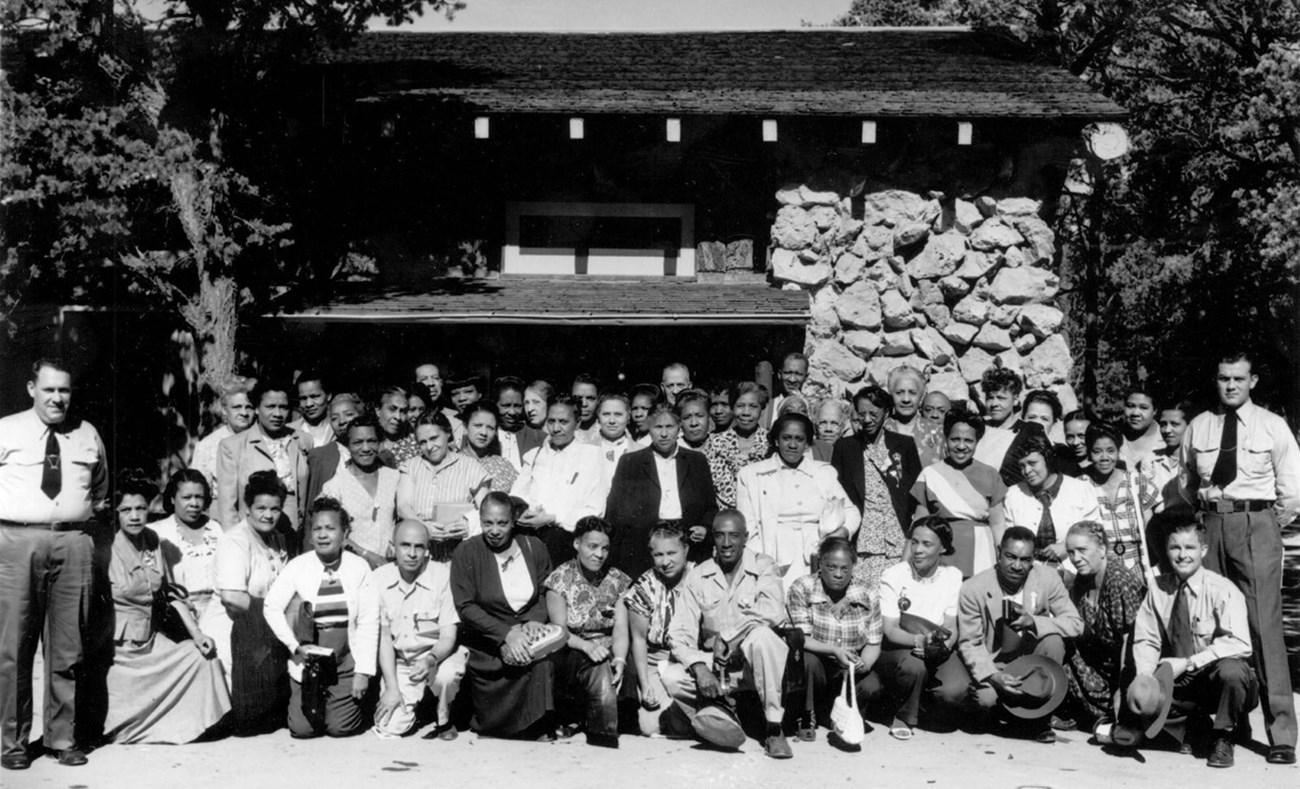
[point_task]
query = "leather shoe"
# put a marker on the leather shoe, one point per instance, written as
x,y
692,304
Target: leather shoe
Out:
x,y
777,747
1221,755
1281,754
72,757
807,728
15,761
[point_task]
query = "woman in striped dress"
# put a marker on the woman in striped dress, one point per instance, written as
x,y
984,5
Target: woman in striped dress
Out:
x,y
335,644
440,488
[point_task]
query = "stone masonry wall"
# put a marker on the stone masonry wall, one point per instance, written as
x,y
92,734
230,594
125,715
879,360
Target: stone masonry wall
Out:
x,y
948,286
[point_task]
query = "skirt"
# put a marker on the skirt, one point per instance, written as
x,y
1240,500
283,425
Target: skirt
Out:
x,y
508,700
973,549
259,684
161,691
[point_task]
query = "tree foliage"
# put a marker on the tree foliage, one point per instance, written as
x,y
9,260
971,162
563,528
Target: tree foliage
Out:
x,y
142,155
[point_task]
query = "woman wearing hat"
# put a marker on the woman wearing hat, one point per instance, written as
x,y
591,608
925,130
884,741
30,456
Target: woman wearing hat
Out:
x,y
1107,595
918,605
1126,499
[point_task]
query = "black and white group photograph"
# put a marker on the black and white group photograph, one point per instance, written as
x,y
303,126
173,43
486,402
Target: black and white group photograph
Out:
x,y
630,394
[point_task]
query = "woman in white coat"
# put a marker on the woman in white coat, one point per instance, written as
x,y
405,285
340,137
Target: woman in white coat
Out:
x,y
792,502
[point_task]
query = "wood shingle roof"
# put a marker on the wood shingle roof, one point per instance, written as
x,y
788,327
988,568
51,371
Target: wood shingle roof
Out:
x,y
825,71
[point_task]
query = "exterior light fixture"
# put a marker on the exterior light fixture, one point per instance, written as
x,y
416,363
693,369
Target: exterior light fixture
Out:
x,y
482,128
964,132
868,132
576,129
769,130
673,130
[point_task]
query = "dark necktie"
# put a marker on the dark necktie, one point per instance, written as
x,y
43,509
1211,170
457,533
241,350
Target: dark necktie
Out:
x,y
1046,526
52,473
1225,466
1181,643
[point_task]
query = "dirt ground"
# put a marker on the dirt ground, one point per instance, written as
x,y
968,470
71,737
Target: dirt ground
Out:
x,y
276,761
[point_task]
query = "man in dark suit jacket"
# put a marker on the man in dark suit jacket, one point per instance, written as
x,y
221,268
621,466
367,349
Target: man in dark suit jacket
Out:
x,y
873,405
635,496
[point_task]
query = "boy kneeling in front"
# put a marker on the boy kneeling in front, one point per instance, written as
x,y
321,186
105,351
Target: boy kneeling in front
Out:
x,y
1194,620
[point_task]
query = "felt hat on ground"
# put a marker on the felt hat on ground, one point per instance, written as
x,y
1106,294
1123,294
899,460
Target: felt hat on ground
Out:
x,y
718,724
1042,687
1146,707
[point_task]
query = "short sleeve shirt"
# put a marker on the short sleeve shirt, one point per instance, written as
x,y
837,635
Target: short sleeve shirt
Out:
x,y
248,561
930,598
590,607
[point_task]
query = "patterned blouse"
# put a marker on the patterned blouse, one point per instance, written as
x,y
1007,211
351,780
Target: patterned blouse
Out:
x,y
590,608
193,561
726,460
852,623
1123,519
1107,619
650,597
502,473
880,533
372,517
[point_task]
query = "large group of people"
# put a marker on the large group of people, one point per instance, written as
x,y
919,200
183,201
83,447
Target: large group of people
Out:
x,y
537,561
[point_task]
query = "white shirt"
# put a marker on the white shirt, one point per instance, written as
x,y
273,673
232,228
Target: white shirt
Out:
x,y
670,499
932,598
302,576
1141,450
510,448
205,456
568,483
1268,461
23,437
318,435
1076,501
372,517
516,582
610,453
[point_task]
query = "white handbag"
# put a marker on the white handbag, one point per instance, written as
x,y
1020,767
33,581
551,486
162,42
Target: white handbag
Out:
x,y
846,720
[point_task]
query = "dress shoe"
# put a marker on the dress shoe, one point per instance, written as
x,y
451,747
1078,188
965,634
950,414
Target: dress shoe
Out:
x,y
72,757
1281,754
1221,755
777,747
602,740
16,761
807,728
1046,736
1064,724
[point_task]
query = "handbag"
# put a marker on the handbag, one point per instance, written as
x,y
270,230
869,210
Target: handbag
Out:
x,y
846,720
166,619
550,640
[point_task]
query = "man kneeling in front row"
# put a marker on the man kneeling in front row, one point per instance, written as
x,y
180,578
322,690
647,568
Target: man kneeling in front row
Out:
x,y
1193,621
725,614
417,635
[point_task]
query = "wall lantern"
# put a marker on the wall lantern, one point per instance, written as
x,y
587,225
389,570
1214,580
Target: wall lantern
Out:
x,y
769,130
964,132
1106,141
576,129
482,128
868,132
673,130
388,128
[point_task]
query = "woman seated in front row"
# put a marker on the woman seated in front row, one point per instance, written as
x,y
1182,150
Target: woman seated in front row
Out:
x,y
497,583
840,619
159,690
334,643
582,594
647,611
249,557
918,598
